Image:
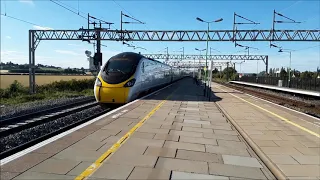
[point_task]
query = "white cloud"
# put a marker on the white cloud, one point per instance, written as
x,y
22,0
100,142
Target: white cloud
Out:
x,y
30,2
74,45
8,52
42,28
67,52
22,57
8,37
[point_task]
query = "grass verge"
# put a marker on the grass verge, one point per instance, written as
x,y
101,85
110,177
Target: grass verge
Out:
x,y
17,94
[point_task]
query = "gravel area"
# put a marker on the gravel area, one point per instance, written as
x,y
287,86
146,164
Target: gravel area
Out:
x,y
277,93
27,135
298,98
20,109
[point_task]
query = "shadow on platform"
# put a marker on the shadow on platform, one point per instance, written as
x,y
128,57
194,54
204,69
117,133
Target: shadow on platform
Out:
x,y
185,90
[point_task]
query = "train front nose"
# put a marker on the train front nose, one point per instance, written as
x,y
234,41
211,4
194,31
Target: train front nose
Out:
x,y
111,95
107,94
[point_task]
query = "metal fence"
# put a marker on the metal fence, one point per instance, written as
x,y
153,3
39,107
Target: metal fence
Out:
x,y
312,84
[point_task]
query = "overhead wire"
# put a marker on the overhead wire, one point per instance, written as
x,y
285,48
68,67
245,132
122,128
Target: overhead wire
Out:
x,y
78,6
20,20
100,19
69,9
5,8
72,7
130,15
75,12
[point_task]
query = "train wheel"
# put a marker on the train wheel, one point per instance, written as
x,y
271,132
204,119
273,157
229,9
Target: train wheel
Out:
x,y
104,106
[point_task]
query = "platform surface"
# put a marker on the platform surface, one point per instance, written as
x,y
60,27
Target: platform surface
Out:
x,y
293,90
289,139
183,136
186,138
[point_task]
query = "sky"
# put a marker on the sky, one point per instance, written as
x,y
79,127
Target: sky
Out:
x,y
158,15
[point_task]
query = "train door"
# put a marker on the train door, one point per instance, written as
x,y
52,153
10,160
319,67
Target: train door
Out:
x,y
172,74
143,76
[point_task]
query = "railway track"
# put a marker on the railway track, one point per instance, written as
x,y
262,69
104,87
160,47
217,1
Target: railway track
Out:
x,y
18,127
20,118
308,108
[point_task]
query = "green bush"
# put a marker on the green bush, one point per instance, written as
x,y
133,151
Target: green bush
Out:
x,y
15,89
72,85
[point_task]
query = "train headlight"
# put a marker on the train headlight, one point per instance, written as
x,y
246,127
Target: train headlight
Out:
x,y
130,83
98,82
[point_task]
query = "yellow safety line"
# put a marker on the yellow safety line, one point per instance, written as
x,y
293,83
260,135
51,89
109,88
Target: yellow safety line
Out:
x,y
93,167
276,115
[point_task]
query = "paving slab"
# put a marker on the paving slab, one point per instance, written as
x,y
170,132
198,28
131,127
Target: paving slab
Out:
x,y
241,161
185,146
303,159
226,150
187,124
167,137
199,156
186,133
78,154
198,140
221,136
300,170
185,175
55,166
182,165
113,171
235,171
161,152
231,144
196,122
283,159
133,159
79,168
42,176
24,163
149,173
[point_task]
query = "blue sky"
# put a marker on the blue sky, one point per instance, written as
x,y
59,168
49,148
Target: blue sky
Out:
x,y
158,15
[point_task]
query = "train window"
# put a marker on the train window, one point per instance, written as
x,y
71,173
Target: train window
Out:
x,y
142,67
121,65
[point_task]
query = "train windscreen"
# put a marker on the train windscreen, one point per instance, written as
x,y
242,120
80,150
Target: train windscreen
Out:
x,y
120,67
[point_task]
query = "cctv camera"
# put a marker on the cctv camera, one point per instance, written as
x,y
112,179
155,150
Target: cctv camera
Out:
x,y
88,53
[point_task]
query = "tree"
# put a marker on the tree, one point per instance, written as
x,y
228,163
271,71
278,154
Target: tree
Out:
x,y
215,71
230,71
270,72
283,73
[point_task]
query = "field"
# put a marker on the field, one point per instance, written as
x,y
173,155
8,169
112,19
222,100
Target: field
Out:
x,y
6,80
4,71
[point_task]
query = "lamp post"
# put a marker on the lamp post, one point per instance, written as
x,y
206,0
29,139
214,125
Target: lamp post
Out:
x,y
182,57
214,49
288,51
200,56
248,48
281,50
208,22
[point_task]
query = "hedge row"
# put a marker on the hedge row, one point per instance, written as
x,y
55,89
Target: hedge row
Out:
x,y
17,89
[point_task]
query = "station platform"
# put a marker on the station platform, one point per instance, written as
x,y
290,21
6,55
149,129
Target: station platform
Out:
x,y
286,138
285,89
176,133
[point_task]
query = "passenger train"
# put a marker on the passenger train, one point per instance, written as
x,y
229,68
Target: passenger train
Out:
x,y
126,76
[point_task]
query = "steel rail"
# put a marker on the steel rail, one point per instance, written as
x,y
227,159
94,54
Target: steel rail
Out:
x,y
29,124
13,120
